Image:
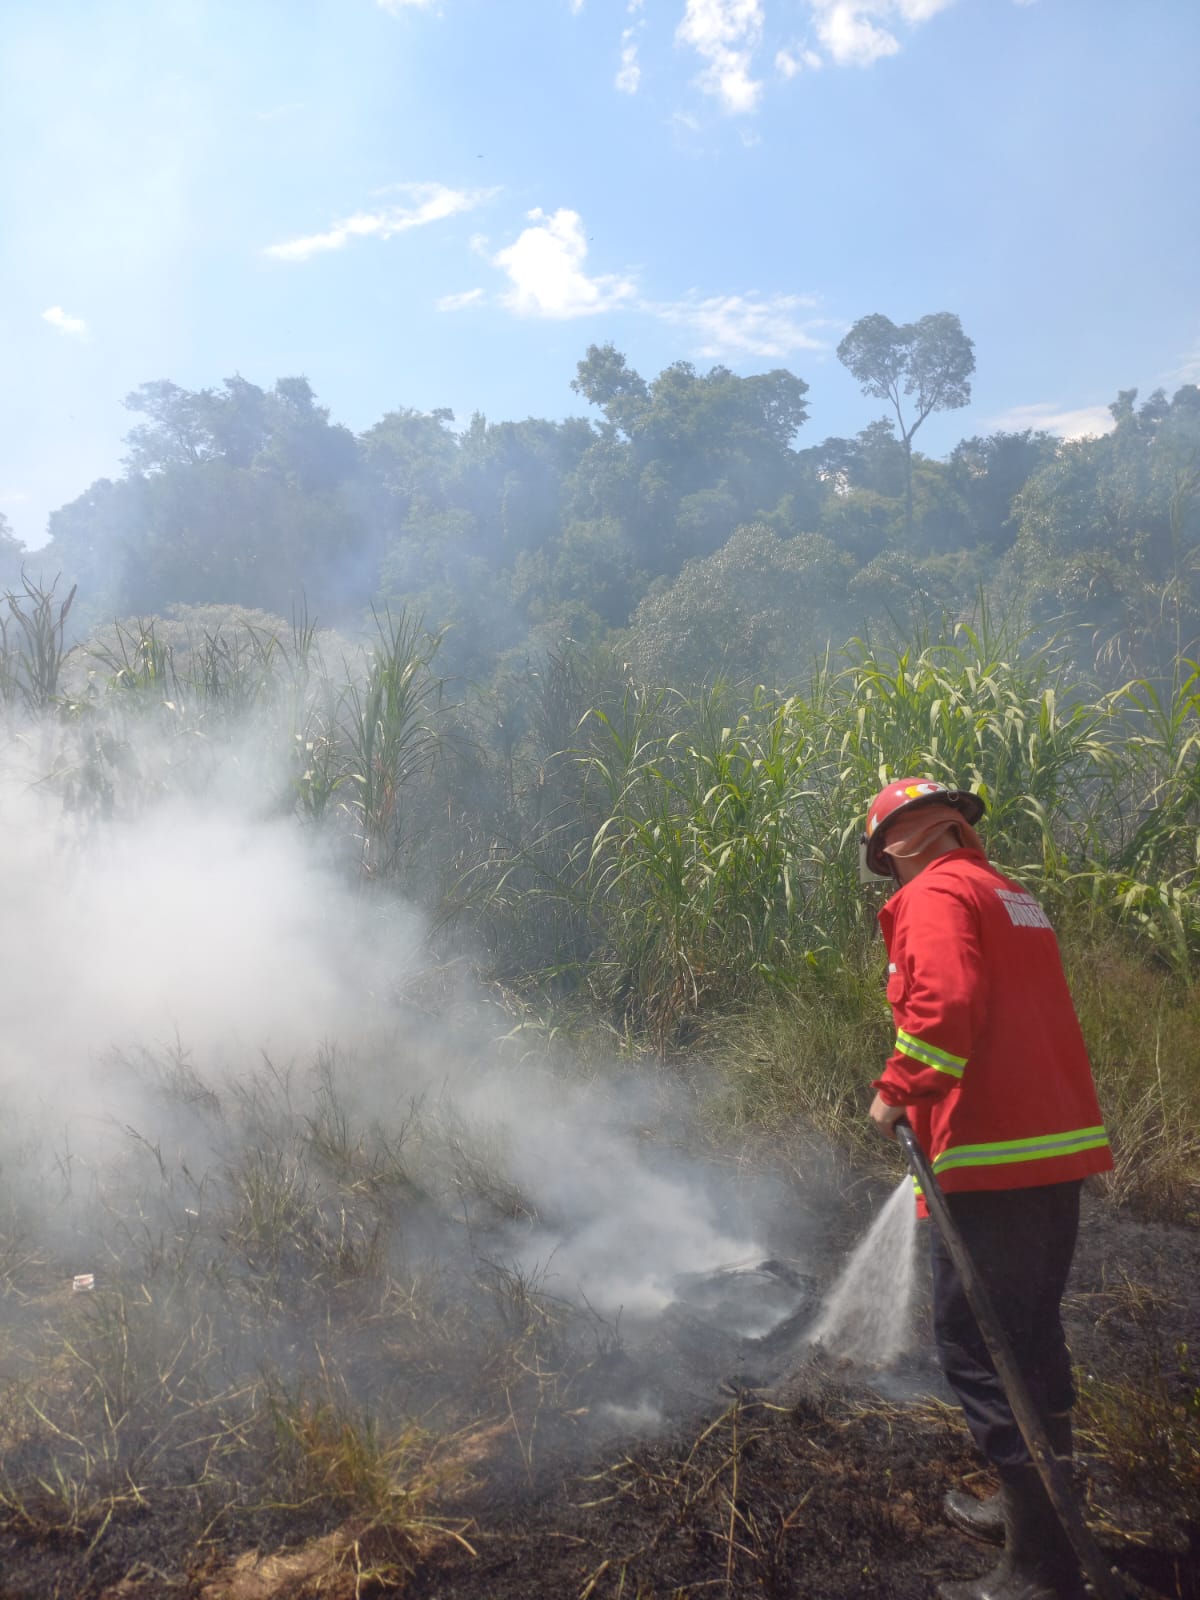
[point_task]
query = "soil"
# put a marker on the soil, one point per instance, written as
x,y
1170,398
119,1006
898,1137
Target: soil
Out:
x,y
695,1460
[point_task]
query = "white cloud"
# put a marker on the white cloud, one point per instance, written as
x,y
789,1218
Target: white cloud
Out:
x,y
546,269
915,11
851,38
629,74
850,33
428,202
726,34
397,6
790,62
1188,370
754,325
1082,423
74,327
460,302
857,33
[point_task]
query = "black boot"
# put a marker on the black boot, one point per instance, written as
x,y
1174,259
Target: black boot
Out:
x,y
984,1519
1038,1562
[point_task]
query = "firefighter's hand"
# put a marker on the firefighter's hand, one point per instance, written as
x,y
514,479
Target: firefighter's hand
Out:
x,y
884,1116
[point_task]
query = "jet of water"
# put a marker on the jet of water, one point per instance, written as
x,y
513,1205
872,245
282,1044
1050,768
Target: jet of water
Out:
x,y
867,1316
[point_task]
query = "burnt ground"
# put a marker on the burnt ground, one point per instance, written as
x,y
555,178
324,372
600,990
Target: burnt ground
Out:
x,y
828,1482
691,1460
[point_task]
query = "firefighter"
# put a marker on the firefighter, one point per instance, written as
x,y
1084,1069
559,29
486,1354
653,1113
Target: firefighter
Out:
x,y
989,1067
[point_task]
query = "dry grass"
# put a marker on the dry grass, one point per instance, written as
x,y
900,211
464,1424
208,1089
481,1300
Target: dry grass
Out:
x,y
1141,1022
304,1330
1144,1429
701,1486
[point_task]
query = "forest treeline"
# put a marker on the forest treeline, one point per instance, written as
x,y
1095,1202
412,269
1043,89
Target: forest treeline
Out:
x,y
684,518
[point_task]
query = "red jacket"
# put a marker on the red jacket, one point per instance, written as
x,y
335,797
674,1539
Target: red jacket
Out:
x,y
989,1058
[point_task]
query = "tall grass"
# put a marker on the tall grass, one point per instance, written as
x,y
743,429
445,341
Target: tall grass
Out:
x,y
984,711
666,859
344,734
388,737
696,872
1147,864
722,865
715,866
33,647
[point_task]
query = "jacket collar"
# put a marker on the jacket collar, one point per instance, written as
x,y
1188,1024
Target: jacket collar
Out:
x,y
938,861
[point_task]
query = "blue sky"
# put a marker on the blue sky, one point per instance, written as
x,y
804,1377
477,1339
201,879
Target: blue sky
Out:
x,y
443,202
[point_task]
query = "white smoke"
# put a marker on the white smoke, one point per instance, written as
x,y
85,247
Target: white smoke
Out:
x,y
196,928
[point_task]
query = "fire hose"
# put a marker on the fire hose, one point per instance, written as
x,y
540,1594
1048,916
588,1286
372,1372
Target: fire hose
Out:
x,y
1054,1473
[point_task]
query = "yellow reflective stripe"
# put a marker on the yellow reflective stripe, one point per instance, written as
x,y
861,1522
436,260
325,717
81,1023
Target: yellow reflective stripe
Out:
x,y
1008,1151
921,1050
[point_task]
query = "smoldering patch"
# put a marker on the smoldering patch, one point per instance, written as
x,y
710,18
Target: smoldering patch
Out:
x,y
749,1300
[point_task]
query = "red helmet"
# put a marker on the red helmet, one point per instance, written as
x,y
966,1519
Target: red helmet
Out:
x,y
903,795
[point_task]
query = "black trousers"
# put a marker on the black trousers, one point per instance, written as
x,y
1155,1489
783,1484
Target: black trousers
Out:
x,y
1021,1242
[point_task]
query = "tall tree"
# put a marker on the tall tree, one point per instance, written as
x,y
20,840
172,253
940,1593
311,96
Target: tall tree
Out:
x,y
919,367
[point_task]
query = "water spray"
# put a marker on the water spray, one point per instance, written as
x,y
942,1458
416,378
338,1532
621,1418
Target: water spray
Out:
x,y
1055,1475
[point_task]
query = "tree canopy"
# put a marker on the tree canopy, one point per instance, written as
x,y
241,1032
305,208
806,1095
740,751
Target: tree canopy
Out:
x,y
917,367
686,516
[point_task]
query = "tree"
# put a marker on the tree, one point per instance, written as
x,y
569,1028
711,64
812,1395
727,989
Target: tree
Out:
x,y
178,433
687,434
282,431
929,362
303,448
991,471
607,380
236,495
1111,528
873,459
511,476
92,541
590,563
760,608
11,553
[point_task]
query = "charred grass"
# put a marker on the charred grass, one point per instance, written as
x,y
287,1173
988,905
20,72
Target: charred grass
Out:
x,y
830,1491
309,1367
